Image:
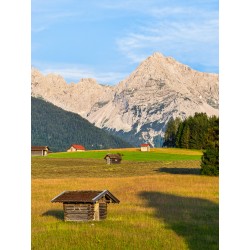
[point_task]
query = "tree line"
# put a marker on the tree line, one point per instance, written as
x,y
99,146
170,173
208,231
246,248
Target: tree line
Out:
x,y
196,132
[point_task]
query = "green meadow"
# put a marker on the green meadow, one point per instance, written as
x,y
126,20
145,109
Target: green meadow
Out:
x,y
135,154
164,201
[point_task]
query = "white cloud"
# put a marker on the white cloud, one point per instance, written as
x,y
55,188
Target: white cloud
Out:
x,y
38,29
195,39
128,4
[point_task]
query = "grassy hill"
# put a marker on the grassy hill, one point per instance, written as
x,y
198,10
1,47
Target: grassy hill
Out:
x,y
58,129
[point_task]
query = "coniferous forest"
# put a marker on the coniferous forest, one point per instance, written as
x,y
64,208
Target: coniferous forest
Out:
x,y
197,132
54,127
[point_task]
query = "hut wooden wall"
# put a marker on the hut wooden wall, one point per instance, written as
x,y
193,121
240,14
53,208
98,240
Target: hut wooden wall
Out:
x,y
103,211
115,161
78,212
39,153
84,212
112,160
36,153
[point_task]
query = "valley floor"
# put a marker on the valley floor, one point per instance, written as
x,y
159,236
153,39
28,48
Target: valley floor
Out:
x,y
163,205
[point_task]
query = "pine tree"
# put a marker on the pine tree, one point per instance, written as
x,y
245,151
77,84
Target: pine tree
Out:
x,y
179,135
171,131
185,136
210,158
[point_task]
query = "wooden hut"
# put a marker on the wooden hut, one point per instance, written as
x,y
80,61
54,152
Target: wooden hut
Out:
x,y
40,150
113,158
76,148
85,205
145,147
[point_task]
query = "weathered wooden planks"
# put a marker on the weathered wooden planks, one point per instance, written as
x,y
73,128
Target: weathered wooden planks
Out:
x,y
85,205
78,212
103,210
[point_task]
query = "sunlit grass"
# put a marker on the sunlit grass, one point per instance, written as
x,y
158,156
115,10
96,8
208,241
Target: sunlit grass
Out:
x,y
132,224
43,167
134,154
163,204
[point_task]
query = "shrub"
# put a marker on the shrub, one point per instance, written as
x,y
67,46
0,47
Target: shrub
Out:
x,y
210,162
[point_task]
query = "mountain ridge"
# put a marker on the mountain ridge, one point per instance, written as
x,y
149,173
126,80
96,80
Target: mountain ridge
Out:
x,y
139,106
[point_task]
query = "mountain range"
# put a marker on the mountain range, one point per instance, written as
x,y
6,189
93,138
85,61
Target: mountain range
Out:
x,y
139,107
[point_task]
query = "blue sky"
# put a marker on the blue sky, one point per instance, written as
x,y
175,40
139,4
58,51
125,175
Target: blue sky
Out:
x,y
107,39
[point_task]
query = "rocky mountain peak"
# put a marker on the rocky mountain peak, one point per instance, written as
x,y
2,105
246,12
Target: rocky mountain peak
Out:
x,y
141,105
158,68
87,83
157,55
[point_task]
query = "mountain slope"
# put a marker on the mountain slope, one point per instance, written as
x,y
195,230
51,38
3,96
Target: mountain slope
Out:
x,y
58,129
160,88
139,107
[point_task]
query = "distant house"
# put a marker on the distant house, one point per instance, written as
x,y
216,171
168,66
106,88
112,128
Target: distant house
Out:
x,y
85,205
76,148
113,158
40,150
145,147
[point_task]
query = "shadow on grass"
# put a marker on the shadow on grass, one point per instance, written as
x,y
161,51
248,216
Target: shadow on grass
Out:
x,y
55,213
194,219
195,171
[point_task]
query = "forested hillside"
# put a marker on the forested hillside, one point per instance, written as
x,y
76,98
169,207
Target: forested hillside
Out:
x,y
191,133
58,129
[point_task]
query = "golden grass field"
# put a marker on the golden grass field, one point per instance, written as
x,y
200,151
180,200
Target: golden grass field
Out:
x,y
157,210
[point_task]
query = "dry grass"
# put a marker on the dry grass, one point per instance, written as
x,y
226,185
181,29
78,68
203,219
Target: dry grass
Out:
x,y
43,167
160,211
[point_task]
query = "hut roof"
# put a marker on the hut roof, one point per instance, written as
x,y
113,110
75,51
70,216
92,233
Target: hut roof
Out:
x,y
84,196
113,156
78,146
38,148
145,145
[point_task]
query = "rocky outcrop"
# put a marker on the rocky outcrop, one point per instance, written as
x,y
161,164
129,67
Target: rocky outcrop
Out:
x,y
140,106
78,98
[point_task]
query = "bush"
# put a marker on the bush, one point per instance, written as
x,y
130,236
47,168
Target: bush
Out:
x,y
210,162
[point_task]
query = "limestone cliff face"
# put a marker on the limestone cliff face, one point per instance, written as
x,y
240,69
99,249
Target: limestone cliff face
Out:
x,y
78,98
140,105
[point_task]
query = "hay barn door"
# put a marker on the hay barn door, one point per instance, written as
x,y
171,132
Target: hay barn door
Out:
x,y
96,211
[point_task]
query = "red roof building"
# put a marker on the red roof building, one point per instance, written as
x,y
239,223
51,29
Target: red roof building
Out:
x,y
76,148
145,147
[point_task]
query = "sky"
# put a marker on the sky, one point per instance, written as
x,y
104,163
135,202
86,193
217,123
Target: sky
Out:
x,y
108,39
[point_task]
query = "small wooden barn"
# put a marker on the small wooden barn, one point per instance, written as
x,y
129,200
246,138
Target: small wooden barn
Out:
x,y
113,158
145,147
85,205
76,148
40,150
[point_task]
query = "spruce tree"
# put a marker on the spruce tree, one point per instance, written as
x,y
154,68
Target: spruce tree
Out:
x,y
171,131
210,158
179,135
185,136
